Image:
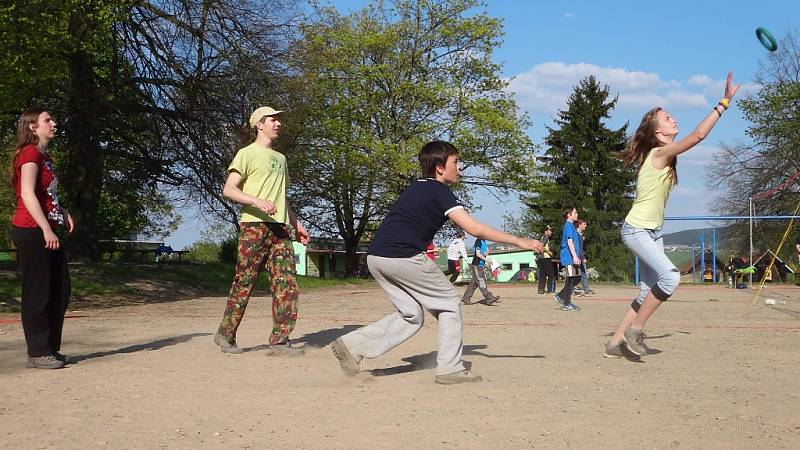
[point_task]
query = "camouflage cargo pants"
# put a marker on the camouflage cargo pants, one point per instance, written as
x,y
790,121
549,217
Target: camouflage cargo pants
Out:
x,y
263,244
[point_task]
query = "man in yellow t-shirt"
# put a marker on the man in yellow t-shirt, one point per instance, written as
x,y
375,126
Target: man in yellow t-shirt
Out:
x,y
258,179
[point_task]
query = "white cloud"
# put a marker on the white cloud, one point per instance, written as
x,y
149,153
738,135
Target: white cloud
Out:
x,y
700,80
569,15
546,87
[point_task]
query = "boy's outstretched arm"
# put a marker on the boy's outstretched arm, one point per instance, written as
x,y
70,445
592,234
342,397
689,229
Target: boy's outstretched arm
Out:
x,y
481,230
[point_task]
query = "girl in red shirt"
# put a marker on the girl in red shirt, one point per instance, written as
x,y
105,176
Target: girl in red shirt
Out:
x,y
45,276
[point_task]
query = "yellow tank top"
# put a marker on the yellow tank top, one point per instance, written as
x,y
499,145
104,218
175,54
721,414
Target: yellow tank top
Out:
x,y
652,192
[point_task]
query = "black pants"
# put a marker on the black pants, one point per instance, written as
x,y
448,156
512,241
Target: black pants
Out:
x,y
546,272
45,290
451,270
569,285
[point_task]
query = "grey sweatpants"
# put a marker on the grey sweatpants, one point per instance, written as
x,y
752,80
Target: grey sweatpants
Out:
x,y
413,285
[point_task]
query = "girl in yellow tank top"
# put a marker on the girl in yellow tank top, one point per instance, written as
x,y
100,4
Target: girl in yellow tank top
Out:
x,y
655,151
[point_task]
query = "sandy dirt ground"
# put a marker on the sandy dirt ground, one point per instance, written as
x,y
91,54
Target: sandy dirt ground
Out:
x,y
150,376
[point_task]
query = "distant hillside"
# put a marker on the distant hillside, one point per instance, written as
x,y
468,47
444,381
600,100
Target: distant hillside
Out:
x,y
689,237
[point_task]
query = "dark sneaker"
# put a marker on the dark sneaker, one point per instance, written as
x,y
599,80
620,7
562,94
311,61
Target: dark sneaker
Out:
x,y
558,300
490,301
63,358
569,307
540,292
347,362
590,292
635,340
464,376
226,345
575,306
285,350
44,362
614,351
466,302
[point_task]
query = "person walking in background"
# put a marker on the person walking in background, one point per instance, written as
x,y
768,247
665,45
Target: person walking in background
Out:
x,y
655,151
478,270
46,284
570,249
258,179
584,287
544,263
455,251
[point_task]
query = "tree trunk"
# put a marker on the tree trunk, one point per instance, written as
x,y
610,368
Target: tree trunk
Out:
x,y
82,178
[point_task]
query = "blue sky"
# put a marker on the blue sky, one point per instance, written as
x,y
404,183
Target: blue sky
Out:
x,y
670,54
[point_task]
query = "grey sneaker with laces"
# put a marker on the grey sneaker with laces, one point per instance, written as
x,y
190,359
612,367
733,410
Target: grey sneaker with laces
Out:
x,y
463,376
226,345
285,349
635,340
44,362
347,362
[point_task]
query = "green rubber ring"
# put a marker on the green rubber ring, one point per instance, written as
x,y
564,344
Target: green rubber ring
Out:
x,y
766,39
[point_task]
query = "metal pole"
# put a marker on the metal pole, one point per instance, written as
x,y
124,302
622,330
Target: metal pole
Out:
x,y
752,213
636,270
694,268
702,258
714,255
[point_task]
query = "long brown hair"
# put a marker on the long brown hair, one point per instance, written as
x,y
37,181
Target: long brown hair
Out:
x,y
643,141
25,136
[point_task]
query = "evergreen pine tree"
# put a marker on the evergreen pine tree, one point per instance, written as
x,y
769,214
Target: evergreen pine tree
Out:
x,y
580,168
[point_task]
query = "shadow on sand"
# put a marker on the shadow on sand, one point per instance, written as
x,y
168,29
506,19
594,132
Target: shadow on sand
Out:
x,y
428,361
154,345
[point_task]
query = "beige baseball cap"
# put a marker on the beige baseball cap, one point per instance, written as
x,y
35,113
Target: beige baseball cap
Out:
x,y
260,113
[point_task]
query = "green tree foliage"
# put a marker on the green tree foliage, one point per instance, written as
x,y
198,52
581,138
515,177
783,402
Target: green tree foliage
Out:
x,y
580,168
374,86
152,98
767,167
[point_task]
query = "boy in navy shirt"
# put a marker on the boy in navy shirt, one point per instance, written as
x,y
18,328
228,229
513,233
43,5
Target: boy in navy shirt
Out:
x,y
413,282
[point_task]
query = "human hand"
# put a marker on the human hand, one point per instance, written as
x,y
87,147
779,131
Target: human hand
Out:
x,y
266,206
51,241
530,244
70,223
730,89
302,234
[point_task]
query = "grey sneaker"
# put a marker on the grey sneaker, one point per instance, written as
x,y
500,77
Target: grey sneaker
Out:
x,y
635,340
614,351
463,376
569,307
44,362
575,306
347,362
558,300
226,345
285,350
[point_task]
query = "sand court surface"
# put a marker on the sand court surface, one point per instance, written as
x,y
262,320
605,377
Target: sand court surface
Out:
x,y
149,376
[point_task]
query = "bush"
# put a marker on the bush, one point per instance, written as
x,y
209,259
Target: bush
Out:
x,y
203,252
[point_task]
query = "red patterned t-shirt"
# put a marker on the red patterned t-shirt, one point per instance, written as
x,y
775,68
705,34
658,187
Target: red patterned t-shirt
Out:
x,y
45,189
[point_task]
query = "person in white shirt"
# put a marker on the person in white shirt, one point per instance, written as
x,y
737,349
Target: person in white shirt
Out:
x,y
455,251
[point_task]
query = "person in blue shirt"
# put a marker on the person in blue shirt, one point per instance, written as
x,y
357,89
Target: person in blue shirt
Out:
x,y
478,280
570,260
412,282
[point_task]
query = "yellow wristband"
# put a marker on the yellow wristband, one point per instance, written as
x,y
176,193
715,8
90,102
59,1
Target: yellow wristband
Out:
x,y
725,103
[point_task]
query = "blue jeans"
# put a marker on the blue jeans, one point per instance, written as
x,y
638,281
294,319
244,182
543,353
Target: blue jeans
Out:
x,y
656,271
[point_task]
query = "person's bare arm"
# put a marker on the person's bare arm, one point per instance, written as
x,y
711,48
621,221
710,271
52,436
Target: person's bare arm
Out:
x,y
28,174
665,154
232,191
481,230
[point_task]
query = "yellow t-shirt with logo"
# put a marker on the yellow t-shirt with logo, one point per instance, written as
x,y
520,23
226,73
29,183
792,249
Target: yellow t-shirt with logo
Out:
x,y
652,192
264,175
